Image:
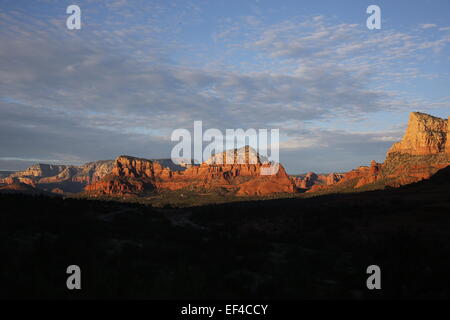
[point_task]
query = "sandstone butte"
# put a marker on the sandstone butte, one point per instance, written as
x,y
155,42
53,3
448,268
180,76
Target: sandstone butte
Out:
x,y
424,149
131,176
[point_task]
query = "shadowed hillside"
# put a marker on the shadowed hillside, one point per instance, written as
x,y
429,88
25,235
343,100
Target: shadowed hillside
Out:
x,y
318,247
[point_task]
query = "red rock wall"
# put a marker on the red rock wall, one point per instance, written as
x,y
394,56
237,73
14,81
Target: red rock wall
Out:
x,y
133,176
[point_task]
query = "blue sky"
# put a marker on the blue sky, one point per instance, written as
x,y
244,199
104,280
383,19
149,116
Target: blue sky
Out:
x,y
339,93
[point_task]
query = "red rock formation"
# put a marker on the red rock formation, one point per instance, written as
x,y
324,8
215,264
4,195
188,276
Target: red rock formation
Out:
x,y
370,176
425,135
118,186
40,170
333,178
423,151
312,179
22,180
128,176
317,187
134,176
63,177
75,178
447,142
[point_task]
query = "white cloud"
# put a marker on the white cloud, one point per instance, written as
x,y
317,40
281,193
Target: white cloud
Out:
x,y
428,25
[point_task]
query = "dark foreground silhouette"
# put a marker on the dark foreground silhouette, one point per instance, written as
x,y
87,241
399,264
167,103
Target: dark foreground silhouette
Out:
x,y
288,248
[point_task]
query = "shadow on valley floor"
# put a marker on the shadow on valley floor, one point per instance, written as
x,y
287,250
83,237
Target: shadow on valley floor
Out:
x,y
317,247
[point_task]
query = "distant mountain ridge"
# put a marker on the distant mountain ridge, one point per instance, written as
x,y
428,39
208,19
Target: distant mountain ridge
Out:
x,y
6,173
69,178
311,179
133,176
65,178
423,150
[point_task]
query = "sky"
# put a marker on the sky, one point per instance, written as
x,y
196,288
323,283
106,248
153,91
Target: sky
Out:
x,y
339,93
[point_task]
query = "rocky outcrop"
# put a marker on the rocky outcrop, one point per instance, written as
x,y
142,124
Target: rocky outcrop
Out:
x,y
40,171
309,180
370,175
93,171
128,176
64,178
425,135
179,165
312,179
22,180
119,186
333,178
423,150
242,176
68,178
244,155
447,142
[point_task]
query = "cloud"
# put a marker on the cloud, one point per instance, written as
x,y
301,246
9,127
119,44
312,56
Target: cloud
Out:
x,y
323,150
30,133
120,91
108,90
324,138
318,39
427,25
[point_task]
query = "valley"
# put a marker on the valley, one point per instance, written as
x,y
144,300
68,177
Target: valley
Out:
x,y
312,248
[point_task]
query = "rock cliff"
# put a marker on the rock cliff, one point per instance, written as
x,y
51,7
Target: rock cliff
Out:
x,y
63,178
68,178
425,135
423,150
447,142
242,176
312,179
